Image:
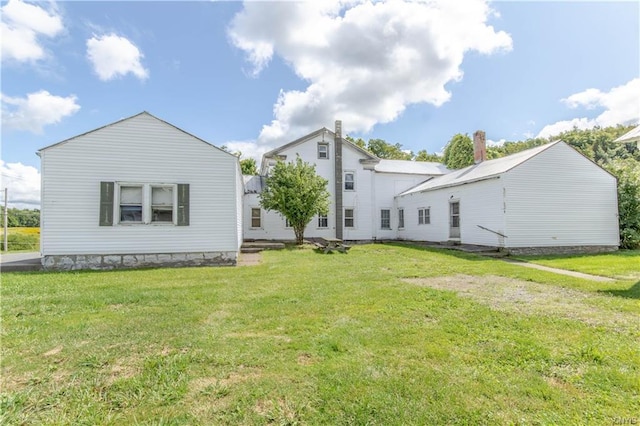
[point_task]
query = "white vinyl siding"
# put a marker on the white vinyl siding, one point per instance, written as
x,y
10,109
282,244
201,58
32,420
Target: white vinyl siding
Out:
x,y
157,153
575,207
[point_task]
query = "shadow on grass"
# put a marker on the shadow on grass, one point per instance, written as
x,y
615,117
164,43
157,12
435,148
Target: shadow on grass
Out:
x,y
632,292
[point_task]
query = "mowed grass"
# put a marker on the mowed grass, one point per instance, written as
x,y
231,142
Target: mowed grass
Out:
x,y
621,265
307,338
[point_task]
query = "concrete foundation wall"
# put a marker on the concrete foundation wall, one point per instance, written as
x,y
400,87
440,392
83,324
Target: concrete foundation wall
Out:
x,y
75,262
536,251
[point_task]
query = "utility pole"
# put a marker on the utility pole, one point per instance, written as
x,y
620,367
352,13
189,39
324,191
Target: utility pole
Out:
x,y
6,214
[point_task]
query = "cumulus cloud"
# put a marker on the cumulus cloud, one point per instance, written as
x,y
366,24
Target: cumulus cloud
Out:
x,y
364,62
23,26
249,149
23,183
620,105
113,56
37,110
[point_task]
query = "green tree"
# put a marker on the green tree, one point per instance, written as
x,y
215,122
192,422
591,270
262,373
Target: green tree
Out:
x,y
459,152
23,218
423,155
297,193
248,166
628,173
381,149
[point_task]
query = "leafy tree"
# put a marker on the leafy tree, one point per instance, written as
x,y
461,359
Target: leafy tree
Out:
x,y
628,173
381,149
459,152
297,192
359,142
23,218
248,166
423,155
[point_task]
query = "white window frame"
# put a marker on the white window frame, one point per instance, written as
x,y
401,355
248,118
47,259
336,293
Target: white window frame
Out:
x,y
353,181
326,150
287,224
323,221
251,217
146,206
352,217
424,216
382,219
400,218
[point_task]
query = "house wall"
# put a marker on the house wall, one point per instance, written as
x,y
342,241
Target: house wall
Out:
x,y
481,203
141,149
559,198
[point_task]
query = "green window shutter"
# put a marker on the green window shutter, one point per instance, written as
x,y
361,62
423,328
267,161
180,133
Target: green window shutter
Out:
x,y
106,203
183,204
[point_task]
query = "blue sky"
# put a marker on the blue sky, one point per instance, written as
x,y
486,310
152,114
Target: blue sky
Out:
x,y
255,75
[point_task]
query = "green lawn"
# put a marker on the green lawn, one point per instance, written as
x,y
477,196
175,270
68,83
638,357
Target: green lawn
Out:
x,y
621,265
386,334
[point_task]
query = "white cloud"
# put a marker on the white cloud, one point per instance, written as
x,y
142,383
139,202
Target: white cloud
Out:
x,y
23,184
364,62
37,110
114,56
500,142
621,106
22,27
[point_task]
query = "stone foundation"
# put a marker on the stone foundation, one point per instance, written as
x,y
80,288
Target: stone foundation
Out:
x,y
539,251
75,262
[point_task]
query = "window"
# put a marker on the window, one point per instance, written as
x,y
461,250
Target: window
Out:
x,y
349,181
424,216
400,218
256,218
162,204
385,219
287,224
131,204
323,151
349,221
144,203
323,221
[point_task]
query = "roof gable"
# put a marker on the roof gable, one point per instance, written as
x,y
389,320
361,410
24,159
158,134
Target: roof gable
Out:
x,y
133,117
330,135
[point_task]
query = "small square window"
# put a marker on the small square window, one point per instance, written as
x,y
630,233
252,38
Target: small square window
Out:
x,y
349,181
349,221
424,216
323,151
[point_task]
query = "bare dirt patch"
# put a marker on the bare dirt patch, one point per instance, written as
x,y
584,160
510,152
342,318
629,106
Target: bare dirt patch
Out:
x,y
529,298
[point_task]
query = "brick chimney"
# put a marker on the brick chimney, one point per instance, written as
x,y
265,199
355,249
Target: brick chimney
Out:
x,y
338,176
479,147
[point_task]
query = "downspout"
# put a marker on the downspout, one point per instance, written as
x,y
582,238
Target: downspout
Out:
x,y
338,178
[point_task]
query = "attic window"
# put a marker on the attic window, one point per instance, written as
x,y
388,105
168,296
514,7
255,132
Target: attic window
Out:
x,y
323,151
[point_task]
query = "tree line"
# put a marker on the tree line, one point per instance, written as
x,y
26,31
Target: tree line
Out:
x,y
23,218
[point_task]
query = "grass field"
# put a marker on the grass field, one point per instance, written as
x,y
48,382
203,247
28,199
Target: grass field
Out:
x,y
387,334
21,239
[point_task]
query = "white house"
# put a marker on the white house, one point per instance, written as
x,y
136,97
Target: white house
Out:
x,y
546,199
361,186
139,192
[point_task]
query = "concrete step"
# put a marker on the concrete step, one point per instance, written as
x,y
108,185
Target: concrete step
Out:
x,y
264,245
244,249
